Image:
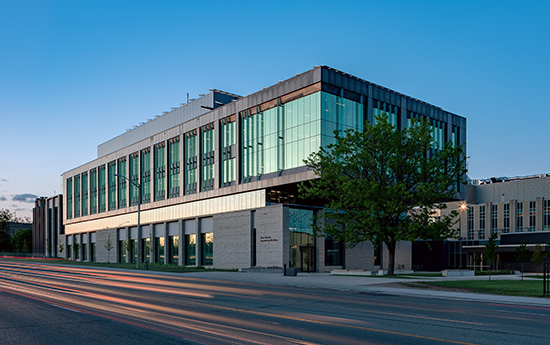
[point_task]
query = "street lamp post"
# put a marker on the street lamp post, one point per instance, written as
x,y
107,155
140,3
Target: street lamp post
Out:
x,y
138,185
462,207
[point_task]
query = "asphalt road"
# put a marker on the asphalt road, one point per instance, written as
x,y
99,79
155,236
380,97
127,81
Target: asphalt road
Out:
x,y
48,304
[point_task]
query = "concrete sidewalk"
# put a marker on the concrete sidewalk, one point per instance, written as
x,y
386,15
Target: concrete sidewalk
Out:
x,y
374,285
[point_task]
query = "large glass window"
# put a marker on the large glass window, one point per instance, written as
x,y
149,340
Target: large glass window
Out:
x,y
519,217
77,187
173,257
160,171
190,249
101,188
134,177
145,175
532,215
546,214
122,182
207,246
84,252
93,253
112,185
228,141
207,153
93,191
334,252
506,218
159,250
84,181
146,249
174,167
471,222
69,200
121,252
301,239
494,219
190,162
481,233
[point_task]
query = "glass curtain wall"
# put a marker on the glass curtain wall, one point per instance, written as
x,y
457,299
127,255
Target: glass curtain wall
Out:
x,y
134,177
228,141
93,191
481,234
77,196
207,155
301,239
84,181
506,218
190,178
282,137
145,175
69,200
102,200
112,185
122,182
174,167
160,171
380,108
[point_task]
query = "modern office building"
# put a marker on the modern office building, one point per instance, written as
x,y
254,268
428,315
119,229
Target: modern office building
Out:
x,y
218,177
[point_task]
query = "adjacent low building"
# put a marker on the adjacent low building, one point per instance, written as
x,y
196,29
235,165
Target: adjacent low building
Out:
x,y
216,179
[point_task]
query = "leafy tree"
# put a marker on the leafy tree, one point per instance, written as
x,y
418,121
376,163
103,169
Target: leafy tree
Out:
x,y
538,257
109,246
522,255
491,251
22,240
385,185
5,241
60,247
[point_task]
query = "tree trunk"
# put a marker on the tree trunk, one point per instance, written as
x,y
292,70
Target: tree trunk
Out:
x,y
391,252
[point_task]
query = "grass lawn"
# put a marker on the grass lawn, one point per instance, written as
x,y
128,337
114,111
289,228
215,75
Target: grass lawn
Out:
x,y
498,287
152,267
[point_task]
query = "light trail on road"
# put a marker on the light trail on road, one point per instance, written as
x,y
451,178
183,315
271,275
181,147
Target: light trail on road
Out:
x,y
217,312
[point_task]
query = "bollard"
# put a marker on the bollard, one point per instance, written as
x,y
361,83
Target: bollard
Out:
x,y
284,269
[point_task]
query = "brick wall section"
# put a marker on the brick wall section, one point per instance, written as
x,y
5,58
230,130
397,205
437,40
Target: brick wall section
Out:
x,y
232,240
270,242
360,257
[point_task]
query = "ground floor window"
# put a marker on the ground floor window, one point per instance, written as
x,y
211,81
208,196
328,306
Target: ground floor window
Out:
x,y
301,239
121,252
174,242
132,251
146,249
92,253
85,252
69,252
159,249
334,252
207,241
190,249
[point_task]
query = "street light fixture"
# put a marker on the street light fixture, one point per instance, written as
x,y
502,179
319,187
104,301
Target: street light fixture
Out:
x,y
138,185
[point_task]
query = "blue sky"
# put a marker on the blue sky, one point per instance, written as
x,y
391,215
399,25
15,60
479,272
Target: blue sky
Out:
x,y
74,74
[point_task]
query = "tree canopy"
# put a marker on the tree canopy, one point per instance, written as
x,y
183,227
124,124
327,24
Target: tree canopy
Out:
x,y
386,185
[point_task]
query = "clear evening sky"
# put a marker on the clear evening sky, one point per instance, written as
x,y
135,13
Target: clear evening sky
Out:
x,y
74,74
